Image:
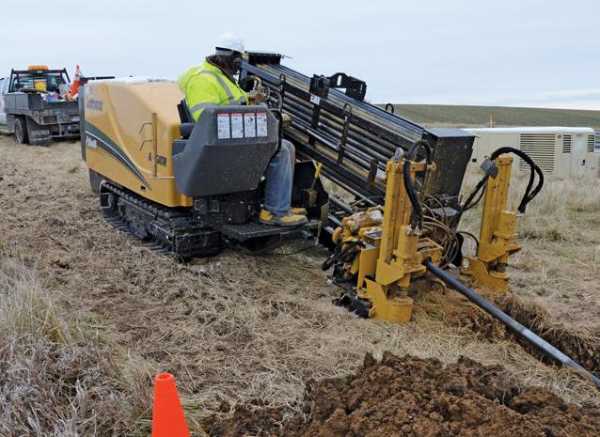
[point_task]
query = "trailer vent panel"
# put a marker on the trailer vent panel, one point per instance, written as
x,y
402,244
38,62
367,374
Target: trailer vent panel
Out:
x,y
567,143
540,147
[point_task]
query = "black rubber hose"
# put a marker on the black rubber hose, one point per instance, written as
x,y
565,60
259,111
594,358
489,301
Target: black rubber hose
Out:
x,y
408,183
469,203
538,188
527,159
535,169
530,192
509,322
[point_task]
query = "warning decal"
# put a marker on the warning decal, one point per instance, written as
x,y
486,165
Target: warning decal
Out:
x,y
223,127
237,125
250,124
261,124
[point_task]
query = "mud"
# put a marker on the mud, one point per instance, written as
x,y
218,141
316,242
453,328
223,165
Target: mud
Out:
x,y
415,397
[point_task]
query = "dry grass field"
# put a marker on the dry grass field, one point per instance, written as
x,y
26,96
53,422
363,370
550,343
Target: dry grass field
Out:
x,y
479,116
88,315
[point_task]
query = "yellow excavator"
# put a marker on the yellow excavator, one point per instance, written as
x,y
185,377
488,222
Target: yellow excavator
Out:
x,y
391,215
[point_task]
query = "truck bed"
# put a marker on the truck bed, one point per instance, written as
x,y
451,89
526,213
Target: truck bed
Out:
x,y
45,120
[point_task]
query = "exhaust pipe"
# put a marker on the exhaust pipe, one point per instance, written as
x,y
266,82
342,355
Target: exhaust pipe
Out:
x,y
509,322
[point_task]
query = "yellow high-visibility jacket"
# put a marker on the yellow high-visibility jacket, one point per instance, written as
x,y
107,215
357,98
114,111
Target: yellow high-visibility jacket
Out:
x,y
205,85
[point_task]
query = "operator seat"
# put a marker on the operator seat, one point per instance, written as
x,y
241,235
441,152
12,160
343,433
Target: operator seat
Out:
x,y
187,121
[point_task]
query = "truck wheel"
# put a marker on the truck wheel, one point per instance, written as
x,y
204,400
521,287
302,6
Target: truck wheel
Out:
x,y
36,134
21,131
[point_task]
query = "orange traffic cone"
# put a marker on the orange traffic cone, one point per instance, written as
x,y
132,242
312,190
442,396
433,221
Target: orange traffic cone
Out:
x,y
168,419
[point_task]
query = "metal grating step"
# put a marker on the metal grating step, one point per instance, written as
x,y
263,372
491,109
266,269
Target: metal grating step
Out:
x,y
249,231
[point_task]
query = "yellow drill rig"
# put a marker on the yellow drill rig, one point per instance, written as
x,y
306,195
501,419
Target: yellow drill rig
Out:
x,y
193,188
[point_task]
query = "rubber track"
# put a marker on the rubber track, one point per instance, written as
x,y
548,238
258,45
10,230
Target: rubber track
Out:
x,y
159,213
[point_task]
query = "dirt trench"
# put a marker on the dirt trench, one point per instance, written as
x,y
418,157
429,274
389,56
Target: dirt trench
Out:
x,y
580,343
416,397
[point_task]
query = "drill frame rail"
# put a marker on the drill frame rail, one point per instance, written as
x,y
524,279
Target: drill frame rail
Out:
x,y
353,139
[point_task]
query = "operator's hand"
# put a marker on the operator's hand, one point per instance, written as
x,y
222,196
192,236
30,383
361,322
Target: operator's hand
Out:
x,y
256,97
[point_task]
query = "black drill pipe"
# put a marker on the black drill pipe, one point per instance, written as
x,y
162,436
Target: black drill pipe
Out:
x,y
365,110
360,141
299,108
510,323
347,178
359,149
355,150
397,130
329,142
355,133
340,204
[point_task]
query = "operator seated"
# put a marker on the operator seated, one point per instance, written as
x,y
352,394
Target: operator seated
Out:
x,y
213,83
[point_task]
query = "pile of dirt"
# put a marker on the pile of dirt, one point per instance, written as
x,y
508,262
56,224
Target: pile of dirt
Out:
x,y
417,397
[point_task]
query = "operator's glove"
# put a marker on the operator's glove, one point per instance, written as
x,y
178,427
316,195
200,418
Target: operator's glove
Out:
x,y
286,119
256,97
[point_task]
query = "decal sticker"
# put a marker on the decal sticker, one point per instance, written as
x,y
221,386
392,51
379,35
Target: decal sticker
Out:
x,y
250,124
261,124
223,127
237,125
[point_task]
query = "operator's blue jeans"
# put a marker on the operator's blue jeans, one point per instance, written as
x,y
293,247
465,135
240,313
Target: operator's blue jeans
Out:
x,y
280,177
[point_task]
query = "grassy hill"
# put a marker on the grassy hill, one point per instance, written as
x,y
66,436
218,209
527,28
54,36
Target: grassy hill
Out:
x,y
471,116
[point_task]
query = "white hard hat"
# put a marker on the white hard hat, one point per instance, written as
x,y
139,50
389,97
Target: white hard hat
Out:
x,y
229,41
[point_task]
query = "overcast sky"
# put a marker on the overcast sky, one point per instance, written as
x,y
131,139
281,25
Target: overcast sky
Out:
x,y
509,52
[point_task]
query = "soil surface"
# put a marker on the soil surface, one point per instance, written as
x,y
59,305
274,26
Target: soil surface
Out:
x,y
414,397
235,327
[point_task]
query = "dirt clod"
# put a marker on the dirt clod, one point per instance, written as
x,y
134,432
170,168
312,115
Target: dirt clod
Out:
x,y
417,397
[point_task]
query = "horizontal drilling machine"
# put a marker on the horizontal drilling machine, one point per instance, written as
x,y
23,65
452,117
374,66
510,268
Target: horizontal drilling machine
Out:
x,y
391,211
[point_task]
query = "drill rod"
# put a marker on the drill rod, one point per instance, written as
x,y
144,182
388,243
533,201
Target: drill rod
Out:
x,y
509,322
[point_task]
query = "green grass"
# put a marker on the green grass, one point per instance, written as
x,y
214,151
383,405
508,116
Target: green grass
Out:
x,y
471,116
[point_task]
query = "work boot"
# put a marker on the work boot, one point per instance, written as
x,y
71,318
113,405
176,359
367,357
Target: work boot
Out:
x,y
298,211
268,218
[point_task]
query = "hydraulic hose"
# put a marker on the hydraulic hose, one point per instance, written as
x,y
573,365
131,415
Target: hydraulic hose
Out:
x,y
408,183
530,192
509,322
535,169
